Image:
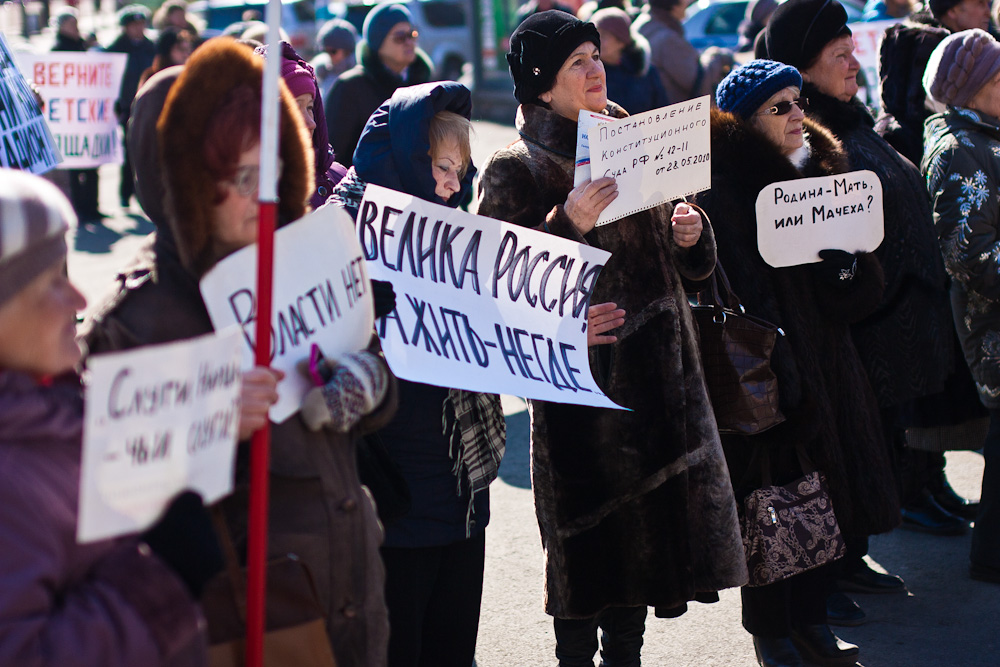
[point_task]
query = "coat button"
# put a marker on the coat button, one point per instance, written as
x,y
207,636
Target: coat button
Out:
x,y
349,611
349,505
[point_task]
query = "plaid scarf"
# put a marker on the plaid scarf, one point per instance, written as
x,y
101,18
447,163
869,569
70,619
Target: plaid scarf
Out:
x,y
477,433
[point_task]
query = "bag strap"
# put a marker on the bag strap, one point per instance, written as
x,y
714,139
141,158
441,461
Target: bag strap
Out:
x,y
805,463
233,569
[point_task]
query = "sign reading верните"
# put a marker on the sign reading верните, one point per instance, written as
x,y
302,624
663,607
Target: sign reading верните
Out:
x,y
321,295
655,157
481,305
796,219
80,90
158,420
25,140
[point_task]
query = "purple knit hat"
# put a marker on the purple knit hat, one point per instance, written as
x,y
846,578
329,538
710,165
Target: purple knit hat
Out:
x,y
34,218
960,66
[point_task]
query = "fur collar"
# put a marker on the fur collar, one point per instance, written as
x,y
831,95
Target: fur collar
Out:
x,y
216,68
547,129
839,117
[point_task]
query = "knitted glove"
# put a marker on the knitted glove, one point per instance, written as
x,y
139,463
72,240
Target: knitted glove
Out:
x,y
384,297
184,539
357,386
838,268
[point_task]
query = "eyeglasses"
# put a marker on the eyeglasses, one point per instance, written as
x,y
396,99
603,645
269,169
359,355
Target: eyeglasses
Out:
x,y
402,37
782,108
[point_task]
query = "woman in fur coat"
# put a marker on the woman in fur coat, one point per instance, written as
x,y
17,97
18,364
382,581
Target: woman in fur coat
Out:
x,y
197,171
759,138
635,508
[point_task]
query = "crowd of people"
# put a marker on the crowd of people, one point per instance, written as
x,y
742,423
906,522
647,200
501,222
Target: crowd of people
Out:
x,y
888,358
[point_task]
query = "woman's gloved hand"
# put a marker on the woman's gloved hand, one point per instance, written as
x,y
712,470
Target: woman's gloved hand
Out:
x,y
838,267
384,297
185,539
358,383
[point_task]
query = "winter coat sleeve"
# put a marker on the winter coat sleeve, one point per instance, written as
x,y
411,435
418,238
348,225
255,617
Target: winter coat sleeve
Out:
x,y
129,609
508,191
697,262
966,208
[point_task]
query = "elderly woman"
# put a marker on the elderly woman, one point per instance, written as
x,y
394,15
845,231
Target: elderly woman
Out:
x,y
111,603
635,507
962,177
760,136
208,138
912,320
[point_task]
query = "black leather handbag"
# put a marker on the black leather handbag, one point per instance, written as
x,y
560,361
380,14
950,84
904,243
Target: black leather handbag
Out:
x,y
736,355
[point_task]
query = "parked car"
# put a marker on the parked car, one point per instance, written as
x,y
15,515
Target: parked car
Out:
x,y
715,22
444,26
298,19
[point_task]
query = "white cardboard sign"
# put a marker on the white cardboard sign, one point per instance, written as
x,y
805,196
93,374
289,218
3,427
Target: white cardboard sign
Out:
x,y
321,295
796,219
80,90
158,420
585,123
655,157
481,305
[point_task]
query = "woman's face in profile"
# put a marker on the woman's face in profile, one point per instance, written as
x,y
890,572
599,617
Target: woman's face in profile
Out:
x,y
783,129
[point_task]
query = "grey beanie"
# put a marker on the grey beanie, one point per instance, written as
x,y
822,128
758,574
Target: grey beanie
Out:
x,y
336,34
960,66
34,218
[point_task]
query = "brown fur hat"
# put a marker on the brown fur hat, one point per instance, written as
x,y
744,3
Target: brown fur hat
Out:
x,y
213,71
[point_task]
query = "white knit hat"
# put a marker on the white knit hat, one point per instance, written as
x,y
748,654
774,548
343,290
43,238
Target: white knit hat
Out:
x,y
34,218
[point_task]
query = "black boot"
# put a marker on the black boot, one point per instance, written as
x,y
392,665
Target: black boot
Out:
x,y
949,500
776,652
863,579
818,644
926,516
843,611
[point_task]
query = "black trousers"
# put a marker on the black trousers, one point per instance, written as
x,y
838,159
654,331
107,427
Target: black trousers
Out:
x,y
434,595
986,534
83,192
127,186
621,638
773,610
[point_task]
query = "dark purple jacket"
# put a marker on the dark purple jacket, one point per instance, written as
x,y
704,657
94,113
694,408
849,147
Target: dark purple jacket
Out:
x,y
105,604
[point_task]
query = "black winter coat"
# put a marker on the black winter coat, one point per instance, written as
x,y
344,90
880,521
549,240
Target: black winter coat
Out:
x,y
823,388
140,57
359,92
913,319
634,83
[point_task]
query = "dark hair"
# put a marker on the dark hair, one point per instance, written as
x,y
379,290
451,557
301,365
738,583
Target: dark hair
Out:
x,y
231,129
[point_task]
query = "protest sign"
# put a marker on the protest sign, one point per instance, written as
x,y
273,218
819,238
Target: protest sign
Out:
x,y
321,296
158,420
481,305
26,143
655,156
80,90
796,219
586,122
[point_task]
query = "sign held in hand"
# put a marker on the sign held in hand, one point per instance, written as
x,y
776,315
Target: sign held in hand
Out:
x,y
796,219
158,420
321,295
655,157
25,140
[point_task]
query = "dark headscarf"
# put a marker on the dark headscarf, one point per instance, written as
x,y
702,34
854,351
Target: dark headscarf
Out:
x,y
540,46
800,29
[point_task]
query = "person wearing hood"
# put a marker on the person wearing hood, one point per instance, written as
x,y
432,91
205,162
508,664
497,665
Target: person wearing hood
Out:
x,y
110,603
632,82
761,136
635,507
388,57
913,318
447,443
962,175
198,127
300,78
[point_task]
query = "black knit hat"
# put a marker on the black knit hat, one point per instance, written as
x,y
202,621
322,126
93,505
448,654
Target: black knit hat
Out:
x,y
800,29
540,46
940,7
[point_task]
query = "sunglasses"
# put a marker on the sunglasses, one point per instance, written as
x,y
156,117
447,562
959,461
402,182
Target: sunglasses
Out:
x,y
782,108
403,37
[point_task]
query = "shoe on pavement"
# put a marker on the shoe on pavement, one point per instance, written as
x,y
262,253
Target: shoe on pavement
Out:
x,y
843,611
984,573
866,580
951,502
776,652
926,516
817,644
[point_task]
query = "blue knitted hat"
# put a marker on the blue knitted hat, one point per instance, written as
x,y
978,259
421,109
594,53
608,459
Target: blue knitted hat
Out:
x,y
379,22
746,88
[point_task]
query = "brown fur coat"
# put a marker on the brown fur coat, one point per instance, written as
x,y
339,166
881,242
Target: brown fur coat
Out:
x,y
635,507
